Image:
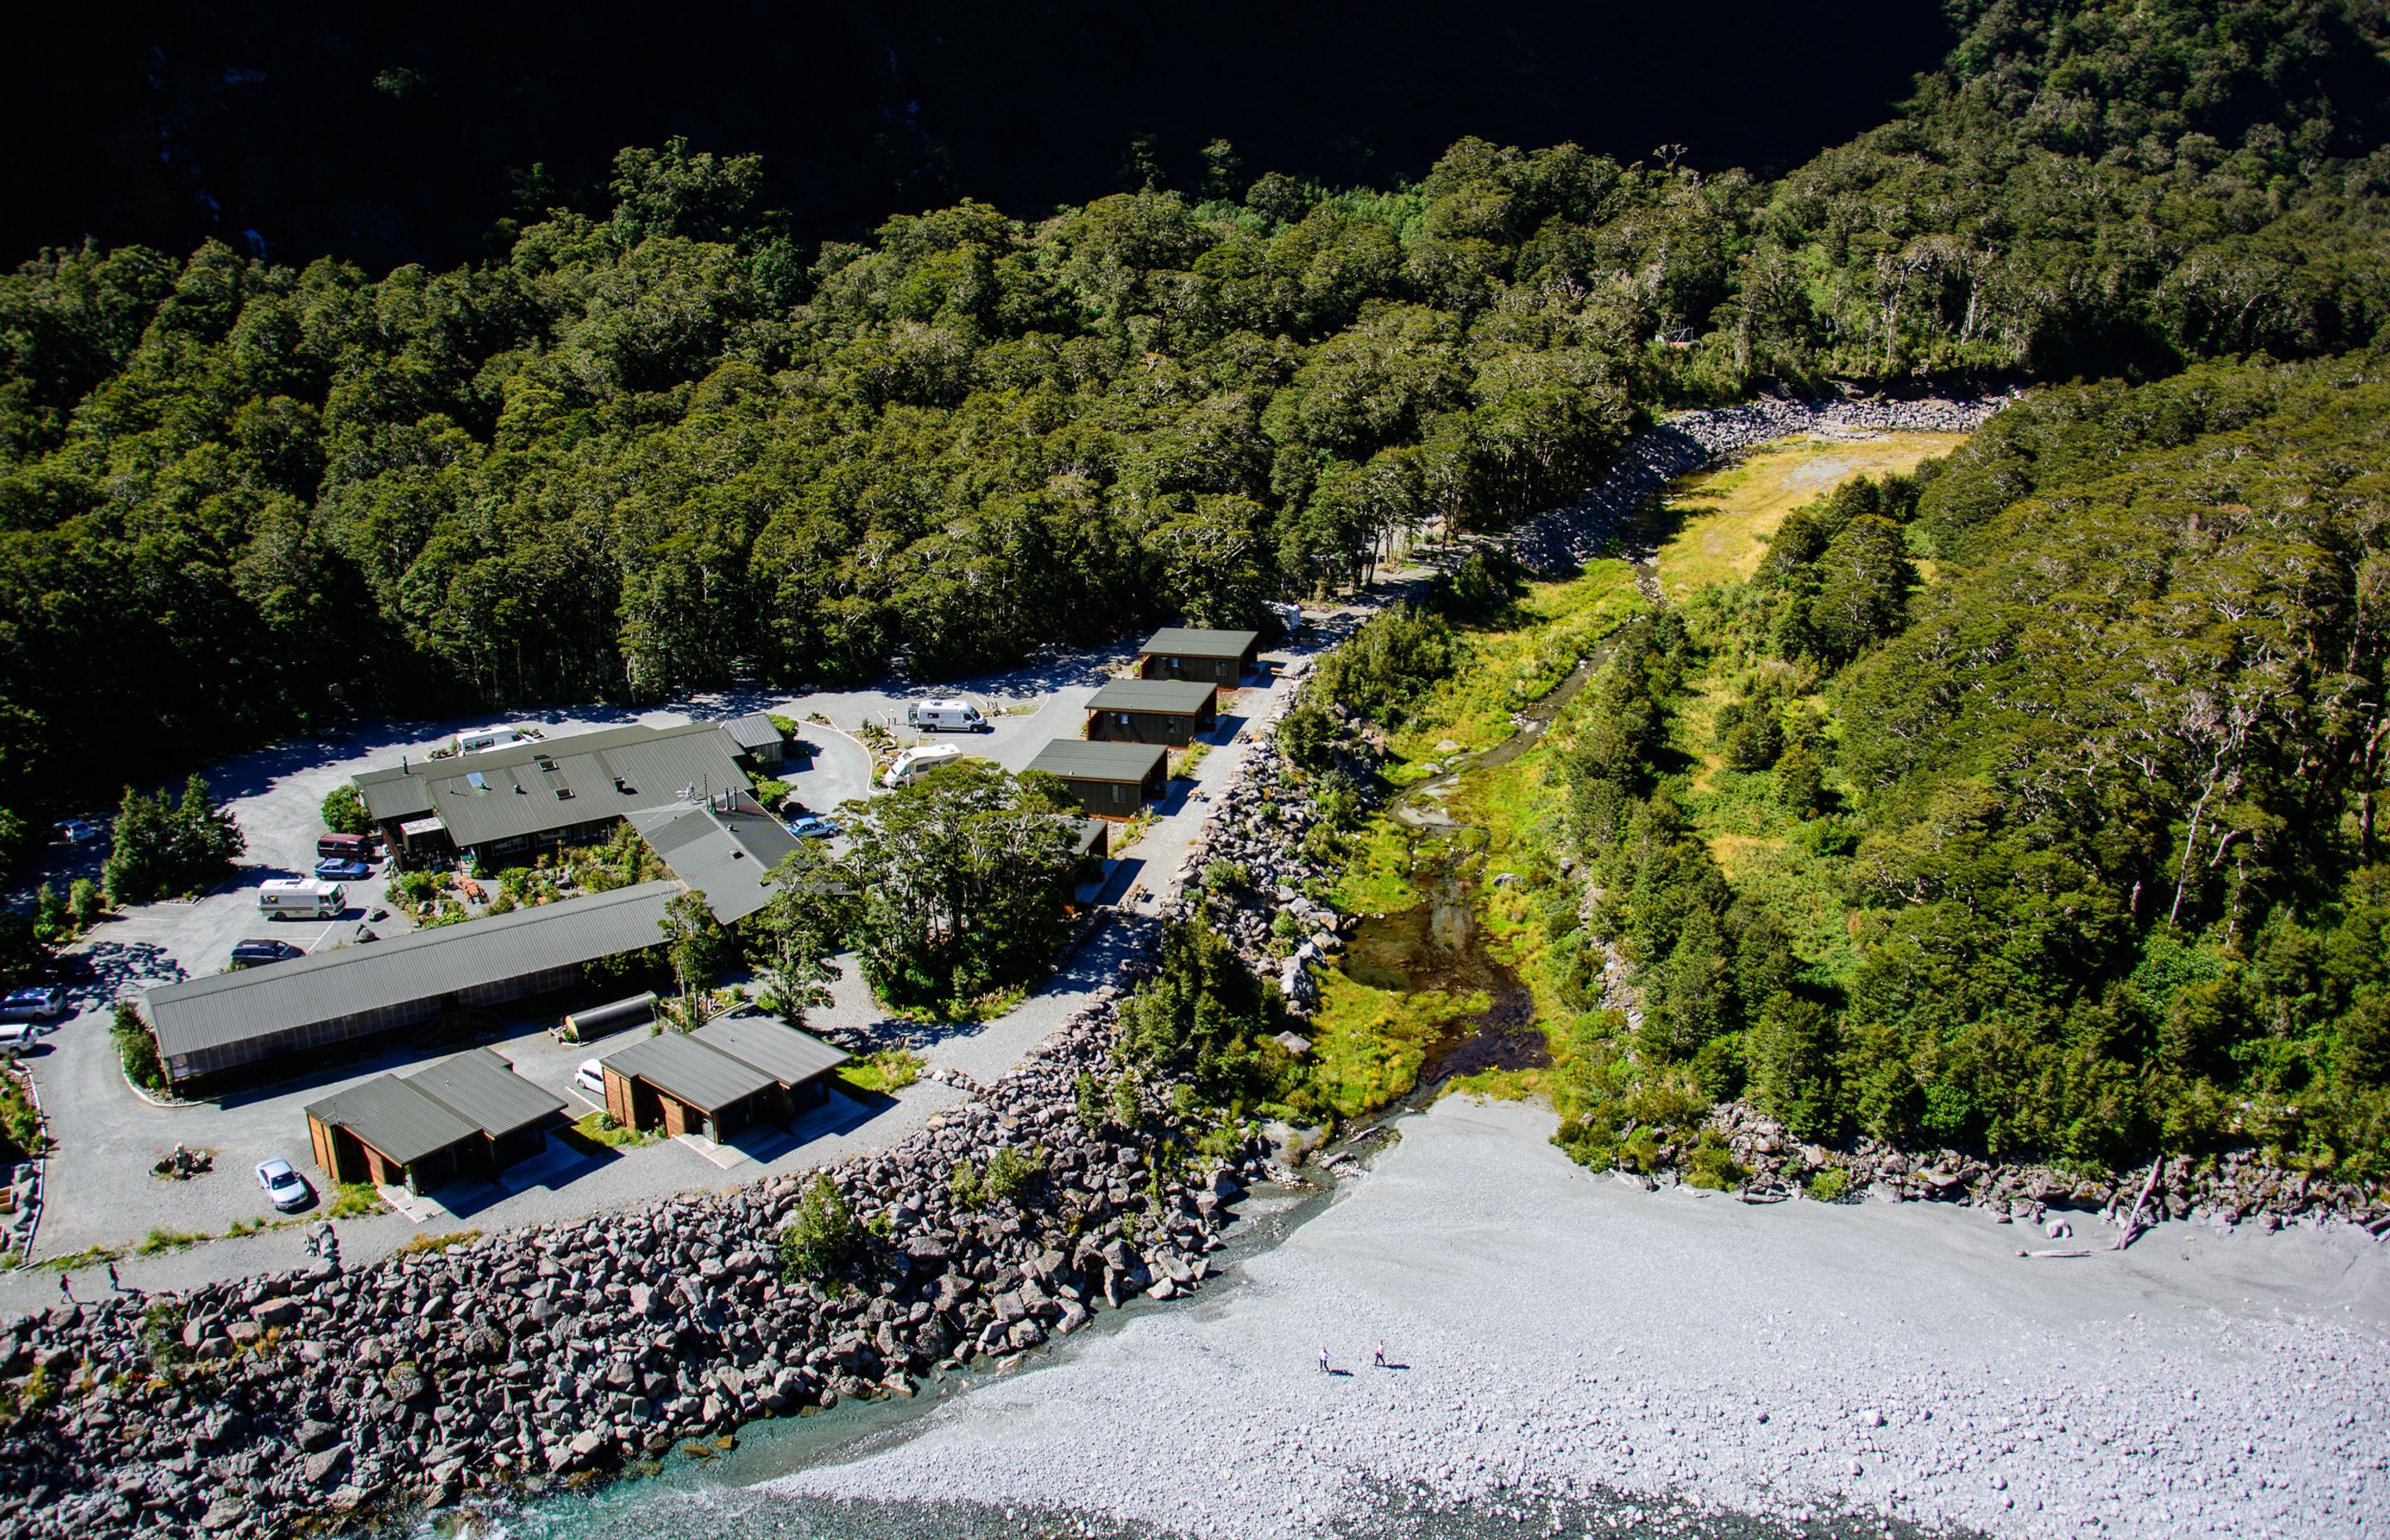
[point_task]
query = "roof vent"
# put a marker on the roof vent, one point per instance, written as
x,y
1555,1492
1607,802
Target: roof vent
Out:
x,y
473,779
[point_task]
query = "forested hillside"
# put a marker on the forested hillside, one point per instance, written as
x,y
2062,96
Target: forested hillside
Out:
x,y
2071,849
659,442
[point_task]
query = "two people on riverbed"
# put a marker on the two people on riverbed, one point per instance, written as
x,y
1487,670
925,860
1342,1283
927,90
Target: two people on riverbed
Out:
x,y
1376,1359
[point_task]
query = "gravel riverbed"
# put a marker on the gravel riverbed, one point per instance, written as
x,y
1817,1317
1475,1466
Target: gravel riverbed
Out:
x,y
1555,1333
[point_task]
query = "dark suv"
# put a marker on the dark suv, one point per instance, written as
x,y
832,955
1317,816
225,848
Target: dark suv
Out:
x,y
248,954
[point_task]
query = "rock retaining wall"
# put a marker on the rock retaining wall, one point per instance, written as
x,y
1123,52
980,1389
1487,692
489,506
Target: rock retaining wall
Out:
x,y
533,1355
1564,539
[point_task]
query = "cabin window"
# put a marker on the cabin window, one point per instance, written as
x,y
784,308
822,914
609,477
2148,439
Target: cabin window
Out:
x,y
1120,793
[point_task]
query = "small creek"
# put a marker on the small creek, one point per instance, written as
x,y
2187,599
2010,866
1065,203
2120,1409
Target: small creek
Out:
x,y
1438,943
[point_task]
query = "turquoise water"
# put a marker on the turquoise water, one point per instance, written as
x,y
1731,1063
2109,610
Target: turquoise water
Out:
x,y
702,1493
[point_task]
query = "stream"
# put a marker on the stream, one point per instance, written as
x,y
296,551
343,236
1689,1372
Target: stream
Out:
x,y
712,1491
1438,943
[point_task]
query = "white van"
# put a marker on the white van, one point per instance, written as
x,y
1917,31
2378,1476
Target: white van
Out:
x,y
947,716
913,764
483,740
300,898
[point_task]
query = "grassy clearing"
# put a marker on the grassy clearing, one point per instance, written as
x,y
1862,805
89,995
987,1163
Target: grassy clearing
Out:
x,y
439,1243
601,1128
888,1071
1375,878
1368,1043
1724,519
1555,624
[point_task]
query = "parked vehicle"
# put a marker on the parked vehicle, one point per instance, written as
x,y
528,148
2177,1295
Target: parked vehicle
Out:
x,y
345,847
483,740
298,897
1289,617
254,952
953,715
18,1035
913,764
338,869
812,826
78,831
33,1003
590,1077
288,1189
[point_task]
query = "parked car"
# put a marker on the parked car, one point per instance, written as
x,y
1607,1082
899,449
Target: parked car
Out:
x,y
812,826
78,831
590,1077
341,869
288,1189
18,1035
249,954
34,1003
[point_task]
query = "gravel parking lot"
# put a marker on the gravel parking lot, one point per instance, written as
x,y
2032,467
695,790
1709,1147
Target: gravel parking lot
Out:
x,y
103,1194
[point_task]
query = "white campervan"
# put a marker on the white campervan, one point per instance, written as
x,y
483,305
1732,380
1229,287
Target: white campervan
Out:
x,y
913,764
947,716
300,898
481,740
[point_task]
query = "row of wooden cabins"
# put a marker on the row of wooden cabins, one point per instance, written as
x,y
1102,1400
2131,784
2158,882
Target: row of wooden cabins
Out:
x,y
1122,762
471,1116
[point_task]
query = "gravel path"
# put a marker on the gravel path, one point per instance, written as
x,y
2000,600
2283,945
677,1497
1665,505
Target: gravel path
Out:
x,y
1561,1333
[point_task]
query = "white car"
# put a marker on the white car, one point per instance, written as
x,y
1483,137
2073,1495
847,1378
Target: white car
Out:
x,y
16,1035
590,1077
288,1189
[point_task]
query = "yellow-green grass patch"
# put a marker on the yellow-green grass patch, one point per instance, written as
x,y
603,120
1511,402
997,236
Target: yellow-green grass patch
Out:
x,y
1368,1043
1722,519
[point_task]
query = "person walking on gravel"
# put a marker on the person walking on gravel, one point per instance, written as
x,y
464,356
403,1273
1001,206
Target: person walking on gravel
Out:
x,y
1323,1360
1379,1357
113,1287
66,1290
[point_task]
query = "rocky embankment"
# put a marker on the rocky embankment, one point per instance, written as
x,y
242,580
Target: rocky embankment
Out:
x,y
521,1358
1564,539
1250,864
2224,1190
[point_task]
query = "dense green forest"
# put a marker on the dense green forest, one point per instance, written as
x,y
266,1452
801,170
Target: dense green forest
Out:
x,y
2081,852
659,443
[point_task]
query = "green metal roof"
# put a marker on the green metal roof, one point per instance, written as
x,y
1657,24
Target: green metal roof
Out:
x,y
1179,641
1076,760
706,1078
224,1008
770,1044
1167,696
552,784
484,1088
724,852
396,1118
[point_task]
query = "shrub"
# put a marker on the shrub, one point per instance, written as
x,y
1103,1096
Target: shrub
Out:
x,y
1006,1178
344,811
137,1047
822,1237
1711,1165
1831,1184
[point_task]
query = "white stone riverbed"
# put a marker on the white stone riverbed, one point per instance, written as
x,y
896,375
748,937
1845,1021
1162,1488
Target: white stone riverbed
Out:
x,y
1562,1332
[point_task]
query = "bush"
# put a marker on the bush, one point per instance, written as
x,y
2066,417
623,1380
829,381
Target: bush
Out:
x,y
1710,1165
137,1047
824,1233
1830,1185
344,811
1007,1178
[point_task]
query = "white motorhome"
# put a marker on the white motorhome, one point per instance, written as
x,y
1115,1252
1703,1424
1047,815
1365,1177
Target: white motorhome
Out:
x,y
913,764
947,716
300,898
483,740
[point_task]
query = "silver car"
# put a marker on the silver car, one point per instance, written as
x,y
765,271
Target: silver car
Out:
x,y
288,1189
